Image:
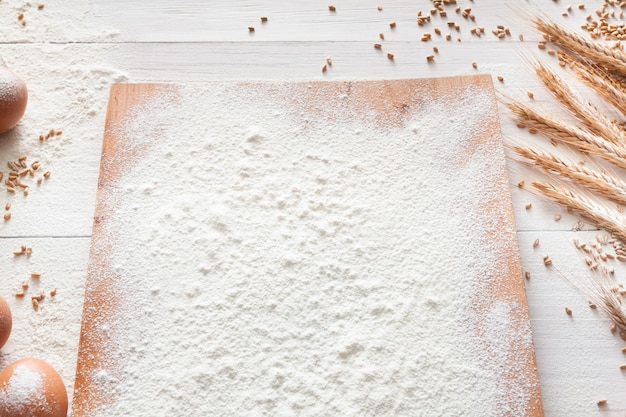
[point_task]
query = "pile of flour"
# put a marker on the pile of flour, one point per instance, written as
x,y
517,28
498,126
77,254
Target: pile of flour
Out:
x,y
271,262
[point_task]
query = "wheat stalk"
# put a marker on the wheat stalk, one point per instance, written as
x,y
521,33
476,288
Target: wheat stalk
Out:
x,y
604,184
609,220
576,137
612,59
595,121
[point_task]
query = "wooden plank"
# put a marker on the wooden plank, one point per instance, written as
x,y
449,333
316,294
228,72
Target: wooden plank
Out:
x,y
384,98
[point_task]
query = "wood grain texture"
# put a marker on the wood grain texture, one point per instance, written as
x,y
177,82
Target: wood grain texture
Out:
x,y
388,99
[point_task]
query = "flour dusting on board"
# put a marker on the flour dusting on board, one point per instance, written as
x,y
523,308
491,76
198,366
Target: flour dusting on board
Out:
x,y
271,258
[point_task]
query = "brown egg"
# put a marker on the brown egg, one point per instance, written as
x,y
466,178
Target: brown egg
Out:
x,y
13,99
32,388
6,321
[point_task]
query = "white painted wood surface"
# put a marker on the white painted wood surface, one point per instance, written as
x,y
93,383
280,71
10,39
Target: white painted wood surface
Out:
x,y
194,40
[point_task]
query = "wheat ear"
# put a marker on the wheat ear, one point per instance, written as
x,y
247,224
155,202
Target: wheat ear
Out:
x,y
606,86
612,59
609,220
593,119
578,138
605,185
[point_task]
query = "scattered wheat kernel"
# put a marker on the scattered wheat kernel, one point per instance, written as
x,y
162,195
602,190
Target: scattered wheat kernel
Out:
x,y
53,292
7,206
620,258
622,335
324,68
448,36
46,174
530,94
29,251
39,180
568,311
377,46
527,274
42,295
7,216
521,184
430,57
35,303
60,132
329,61
474,64
520,37
500,78
622,366
332,8
601,402
437,31
613,328
41,138
529,206
624,349
546,260
581,6
263,18
532,130
40,6
35,275
435,49
19,294
250,28
24,284
392,25
390,55
20,16
379,8
381,36
23,247
592,306
564,14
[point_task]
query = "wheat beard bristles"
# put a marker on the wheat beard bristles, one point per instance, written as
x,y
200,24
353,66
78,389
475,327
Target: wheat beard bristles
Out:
x,y
595,121
578,138
612,59
605,185
610,221
605,85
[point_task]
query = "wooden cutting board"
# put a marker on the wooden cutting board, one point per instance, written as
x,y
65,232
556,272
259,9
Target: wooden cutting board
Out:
x,y
390,101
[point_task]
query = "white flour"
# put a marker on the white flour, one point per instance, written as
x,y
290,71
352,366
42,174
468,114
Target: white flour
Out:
x,y
273,263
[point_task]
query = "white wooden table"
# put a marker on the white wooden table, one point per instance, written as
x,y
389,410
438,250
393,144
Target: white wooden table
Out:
x,y
194,40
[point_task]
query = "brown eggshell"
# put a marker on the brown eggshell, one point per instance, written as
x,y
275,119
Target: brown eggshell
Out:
x,y
13,99
6,321
32,388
